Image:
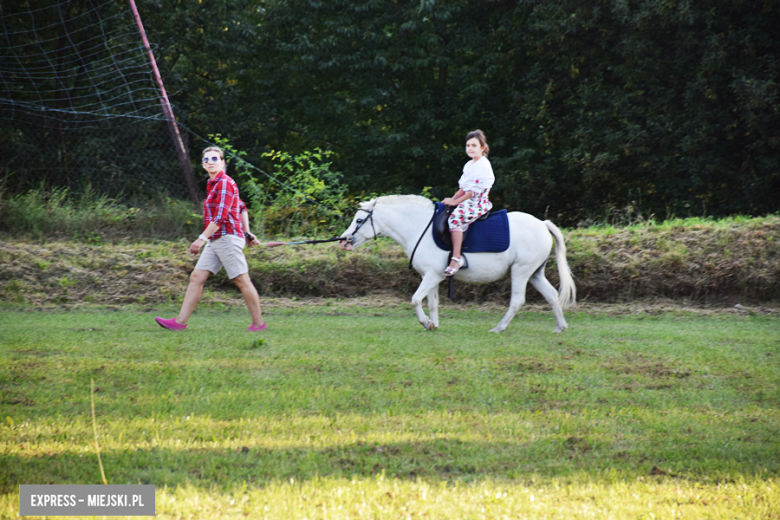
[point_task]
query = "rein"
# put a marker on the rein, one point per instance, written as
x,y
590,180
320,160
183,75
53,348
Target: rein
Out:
x,y
421,236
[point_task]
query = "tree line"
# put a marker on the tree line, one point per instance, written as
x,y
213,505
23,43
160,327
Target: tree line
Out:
x,y
660,107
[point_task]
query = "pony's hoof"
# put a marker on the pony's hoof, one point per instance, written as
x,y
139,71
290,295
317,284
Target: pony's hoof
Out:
x,y
496,330
558,330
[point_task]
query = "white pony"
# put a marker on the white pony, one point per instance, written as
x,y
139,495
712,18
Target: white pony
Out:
x,y
404,218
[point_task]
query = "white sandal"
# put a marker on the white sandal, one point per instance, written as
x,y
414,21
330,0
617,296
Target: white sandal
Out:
x,y
452,270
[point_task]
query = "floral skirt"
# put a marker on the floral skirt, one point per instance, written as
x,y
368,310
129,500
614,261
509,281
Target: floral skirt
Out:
x,y
468,211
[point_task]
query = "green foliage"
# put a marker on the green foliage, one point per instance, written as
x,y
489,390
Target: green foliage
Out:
x,y
667,107
394,87
652,102
312,198
589,108
302,196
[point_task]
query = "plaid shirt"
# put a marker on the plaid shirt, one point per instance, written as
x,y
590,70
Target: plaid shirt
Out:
x,y
223,206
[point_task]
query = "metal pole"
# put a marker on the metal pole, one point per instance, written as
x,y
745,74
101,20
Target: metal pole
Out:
x,y
181,151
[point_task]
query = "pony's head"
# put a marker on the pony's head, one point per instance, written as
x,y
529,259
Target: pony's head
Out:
x,y
362,227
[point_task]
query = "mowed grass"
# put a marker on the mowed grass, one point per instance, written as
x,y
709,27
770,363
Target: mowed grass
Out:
x,y
349,410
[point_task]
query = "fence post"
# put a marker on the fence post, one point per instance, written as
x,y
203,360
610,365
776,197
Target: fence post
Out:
x,y
181,150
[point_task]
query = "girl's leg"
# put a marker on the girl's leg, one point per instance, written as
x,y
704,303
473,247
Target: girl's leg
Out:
x,y
457,243
192,297
458,218
455,222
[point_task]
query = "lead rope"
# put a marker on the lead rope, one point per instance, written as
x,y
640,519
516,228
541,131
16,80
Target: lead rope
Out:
x,y
422,235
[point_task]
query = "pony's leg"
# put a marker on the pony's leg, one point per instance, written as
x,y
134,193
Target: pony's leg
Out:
x,y
429,282
519,282
540,282
433,306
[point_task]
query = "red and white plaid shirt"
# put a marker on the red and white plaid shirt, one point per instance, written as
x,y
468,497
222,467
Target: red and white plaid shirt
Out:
x,y
223,206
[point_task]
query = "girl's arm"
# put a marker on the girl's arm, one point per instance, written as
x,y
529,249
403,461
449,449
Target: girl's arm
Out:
x,y
459,197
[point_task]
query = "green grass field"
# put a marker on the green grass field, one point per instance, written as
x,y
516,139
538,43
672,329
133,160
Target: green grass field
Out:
x,y
349,409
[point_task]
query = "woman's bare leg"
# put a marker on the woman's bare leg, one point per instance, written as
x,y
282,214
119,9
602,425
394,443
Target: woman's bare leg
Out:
x,y
244,283
192,297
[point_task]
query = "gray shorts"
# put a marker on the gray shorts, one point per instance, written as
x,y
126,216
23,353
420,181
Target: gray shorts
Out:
x,y
227,251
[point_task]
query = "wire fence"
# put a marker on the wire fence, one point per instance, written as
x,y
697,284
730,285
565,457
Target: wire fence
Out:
x,y
78,104
122,159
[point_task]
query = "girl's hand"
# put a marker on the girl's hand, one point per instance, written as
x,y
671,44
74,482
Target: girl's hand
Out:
x,y
449,201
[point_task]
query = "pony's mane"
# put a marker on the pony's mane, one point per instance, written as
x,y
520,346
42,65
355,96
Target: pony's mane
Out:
x,y
397,199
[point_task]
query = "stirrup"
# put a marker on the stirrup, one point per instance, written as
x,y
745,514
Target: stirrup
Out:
x,y
451,271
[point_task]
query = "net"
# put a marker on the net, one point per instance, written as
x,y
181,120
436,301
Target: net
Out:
x,y
78,103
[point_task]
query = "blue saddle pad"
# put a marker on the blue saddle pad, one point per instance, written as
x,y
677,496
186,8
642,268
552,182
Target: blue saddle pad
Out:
x,y
484,236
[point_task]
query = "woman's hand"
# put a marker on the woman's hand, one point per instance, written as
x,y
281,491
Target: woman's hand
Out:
x,y
251,239
195,246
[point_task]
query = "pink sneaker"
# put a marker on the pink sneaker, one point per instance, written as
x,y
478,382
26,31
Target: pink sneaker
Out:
x,y
255,328
170,324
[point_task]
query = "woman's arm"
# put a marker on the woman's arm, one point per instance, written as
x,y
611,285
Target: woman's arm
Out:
x,y
200,242
252,239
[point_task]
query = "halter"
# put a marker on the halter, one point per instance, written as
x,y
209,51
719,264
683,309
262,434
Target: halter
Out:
x,y
360,223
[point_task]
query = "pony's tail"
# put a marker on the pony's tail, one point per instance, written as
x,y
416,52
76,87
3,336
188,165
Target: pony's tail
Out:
x,y
567,292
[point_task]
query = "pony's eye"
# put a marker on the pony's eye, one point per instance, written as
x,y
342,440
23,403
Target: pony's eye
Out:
x,y
359,221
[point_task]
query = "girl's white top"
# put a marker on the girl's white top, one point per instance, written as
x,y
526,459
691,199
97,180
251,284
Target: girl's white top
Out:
x,y
477,176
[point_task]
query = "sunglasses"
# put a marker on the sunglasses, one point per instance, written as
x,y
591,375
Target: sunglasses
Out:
x,y
214,159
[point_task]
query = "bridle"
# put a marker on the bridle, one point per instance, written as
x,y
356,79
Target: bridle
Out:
x,y
359,224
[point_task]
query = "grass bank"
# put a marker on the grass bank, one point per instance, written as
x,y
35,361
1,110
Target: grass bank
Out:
x,y
92,218
710,262
349,409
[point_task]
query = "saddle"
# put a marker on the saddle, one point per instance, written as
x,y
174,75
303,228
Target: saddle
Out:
x,y
491,235
487,234
442,228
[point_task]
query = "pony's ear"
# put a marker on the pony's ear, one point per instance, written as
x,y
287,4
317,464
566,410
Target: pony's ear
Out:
x,y
366,204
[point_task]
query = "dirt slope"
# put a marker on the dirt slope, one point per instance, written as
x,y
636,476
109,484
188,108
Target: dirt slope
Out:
x,y
704,263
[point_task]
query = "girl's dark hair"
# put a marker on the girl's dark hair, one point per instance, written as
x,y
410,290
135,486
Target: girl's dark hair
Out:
x,y
479,135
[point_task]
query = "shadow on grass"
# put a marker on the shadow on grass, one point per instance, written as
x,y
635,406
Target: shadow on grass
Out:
x,y
439,459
